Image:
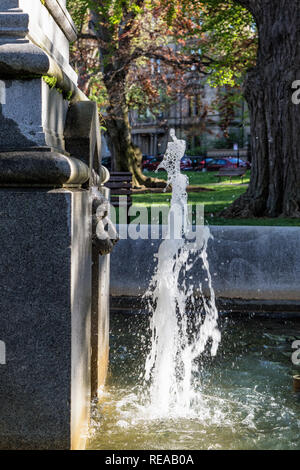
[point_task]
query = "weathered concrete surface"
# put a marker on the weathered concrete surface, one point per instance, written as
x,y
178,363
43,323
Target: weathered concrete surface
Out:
x,y
58,10
48,26
100,317
249,263
31,114
41,169
45,308
34,41
100,322
81,299
82,133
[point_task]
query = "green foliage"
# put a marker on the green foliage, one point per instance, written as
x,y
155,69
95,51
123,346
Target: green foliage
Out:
x,y
234,136
79,12
221,30
111,10
68,96
218,36
231,40
195,151
51,81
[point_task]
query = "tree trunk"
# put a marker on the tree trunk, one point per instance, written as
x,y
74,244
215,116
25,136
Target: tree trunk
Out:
x,y
126,156
274,188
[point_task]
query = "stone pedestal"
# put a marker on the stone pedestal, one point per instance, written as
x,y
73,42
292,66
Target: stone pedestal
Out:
x,y
45,308
54,300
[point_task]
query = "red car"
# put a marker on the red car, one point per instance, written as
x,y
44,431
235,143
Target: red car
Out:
x,y
200,163
152,163
218,163
145,160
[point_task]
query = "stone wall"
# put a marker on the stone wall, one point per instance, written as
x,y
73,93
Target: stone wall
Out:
x,y
253,268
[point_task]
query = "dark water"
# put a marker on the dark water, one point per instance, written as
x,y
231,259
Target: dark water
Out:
x,y
243,397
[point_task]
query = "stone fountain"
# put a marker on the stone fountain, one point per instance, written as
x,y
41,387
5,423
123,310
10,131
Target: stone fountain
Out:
x,y
54,283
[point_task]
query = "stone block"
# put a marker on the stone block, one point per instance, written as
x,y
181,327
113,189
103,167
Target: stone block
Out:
x,y
31,115
45,315
82,134
47,25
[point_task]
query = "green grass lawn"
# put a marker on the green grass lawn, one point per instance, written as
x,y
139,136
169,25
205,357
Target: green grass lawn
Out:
x,y
204,179
217,197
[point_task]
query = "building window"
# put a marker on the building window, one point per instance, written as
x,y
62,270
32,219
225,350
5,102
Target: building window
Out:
x,y
194,105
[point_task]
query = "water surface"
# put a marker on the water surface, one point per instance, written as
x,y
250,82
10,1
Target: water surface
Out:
x,y
242,398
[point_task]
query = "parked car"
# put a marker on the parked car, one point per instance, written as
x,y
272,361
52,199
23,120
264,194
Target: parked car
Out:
x,y
240,162
196,159
152,163
145,160
200,163
218,163
186,164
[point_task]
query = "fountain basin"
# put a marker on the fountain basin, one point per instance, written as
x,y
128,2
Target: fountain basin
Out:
x,y
256,268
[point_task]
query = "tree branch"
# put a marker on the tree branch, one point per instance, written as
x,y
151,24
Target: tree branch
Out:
x,y
93,37
254,6
181,63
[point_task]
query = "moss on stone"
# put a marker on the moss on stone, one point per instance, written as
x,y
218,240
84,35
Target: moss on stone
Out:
x,y
52,83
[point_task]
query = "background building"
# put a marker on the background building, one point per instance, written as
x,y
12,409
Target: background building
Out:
x,y
195,119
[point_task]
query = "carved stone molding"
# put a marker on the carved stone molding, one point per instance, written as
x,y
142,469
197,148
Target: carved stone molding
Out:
x,y
46,26
62,18
41,168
